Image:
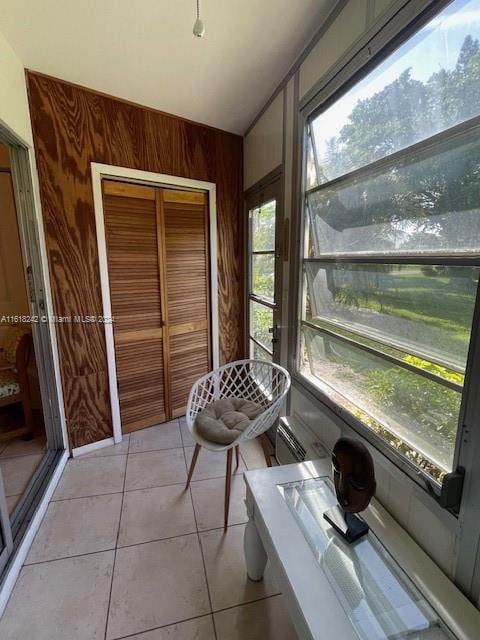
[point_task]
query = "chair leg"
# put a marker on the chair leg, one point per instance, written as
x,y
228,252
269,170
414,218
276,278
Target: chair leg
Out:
x,y
192,465
237,456
228,479
263,442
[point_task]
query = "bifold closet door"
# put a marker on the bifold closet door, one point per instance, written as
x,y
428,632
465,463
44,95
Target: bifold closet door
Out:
x,y
157,254
131,221
187,291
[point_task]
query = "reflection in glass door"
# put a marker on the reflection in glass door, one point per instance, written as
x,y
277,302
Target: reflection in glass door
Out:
x,y
262,277
6,542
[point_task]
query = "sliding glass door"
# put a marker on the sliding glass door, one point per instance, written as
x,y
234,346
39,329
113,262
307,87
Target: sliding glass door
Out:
x,y
31,439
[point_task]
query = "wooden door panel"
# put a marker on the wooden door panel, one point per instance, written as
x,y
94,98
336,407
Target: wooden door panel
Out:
x,y
140,375
131,234
158,263
131,229
187,280
186,241
190,360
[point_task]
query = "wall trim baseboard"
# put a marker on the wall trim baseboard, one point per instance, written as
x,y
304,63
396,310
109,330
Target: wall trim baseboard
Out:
x,y
22,551
138,176
93,446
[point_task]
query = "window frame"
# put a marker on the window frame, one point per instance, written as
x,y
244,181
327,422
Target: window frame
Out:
x,y
389,31
365,55
266,189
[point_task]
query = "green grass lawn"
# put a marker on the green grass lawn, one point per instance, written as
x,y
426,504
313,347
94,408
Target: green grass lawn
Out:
x,y
443,302
435,300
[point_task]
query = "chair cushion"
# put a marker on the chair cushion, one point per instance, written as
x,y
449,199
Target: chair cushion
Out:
x,y
8,385
13,335
224,420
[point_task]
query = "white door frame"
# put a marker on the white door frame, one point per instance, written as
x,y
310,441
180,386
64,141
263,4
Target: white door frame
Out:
x,y
100,171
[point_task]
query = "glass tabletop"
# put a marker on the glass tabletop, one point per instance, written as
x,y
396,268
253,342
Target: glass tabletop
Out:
x,y
380,600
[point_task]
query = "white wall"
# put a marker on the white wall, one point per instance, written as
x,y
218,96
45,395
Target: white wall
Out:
x,y
263,146
380,6
288,208
270,141
13,93
348,26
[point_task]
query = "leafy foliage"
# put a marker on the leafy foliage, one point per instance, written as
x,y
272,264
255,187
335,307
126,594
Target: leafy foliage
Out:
x,y
406,110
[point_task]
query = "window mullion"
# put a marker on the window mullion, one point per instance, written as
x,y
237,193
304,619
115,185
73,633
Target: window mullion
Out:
x,y
459,259
385,356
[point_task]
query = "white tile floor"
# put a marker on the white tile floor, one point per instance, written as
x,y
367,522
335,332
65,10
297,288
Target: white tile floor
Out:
x,y
124,551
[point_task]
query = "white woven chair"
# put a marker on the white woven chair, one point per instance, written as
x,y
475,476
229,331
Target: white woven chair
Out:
x,y
262,382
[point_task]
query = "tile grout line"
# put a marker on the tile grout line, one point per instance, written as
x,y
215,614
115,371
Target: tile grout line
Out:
x,y
201,549
137,544
91,456
154,486
243,460
208,586
116,545
165,626
243,604
212,615
75,555
134,453
92,495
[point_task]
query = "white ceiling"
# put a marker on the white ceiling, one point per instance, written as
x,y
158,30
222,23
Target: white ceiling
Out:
x,y
144,50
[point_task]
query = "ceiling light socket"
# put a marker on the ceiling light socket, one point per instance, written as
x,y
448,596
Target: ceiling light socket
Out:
x,y
199,28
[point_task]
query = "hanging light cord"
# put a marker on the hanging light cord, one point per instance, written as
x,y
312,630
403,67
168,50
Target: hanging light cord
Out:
x,y
198,27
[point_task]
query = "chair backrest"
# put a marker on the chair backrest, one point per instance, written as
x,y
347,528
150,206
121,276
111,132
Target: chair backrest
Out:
x,y
262,382
17,345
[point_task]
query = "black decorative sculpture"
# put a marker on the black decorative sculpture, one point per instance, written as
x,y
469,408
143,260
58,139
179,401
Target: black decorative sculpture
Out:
x,y
354,477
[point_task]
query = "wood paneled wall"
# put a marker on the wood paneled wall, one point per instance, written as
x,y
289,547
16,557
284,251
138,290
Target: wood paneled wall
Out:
x,y
73,127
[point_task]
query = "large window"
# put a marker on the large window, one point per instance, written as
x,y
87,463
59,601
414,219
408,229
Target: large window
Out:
x,y
392,240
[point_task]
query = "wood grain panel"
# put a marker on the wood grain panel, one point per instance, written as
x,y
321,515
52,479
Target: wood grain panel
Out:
x,y
189,361
78,392
140,374
187,197
188,327
131,238
73,127
131,233
113,188
186,262
186,226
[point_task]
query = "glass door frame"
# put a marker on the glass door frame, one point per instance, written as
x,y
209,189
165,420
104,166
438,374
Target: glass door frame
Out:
x,y
6,539
271,188
25,188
